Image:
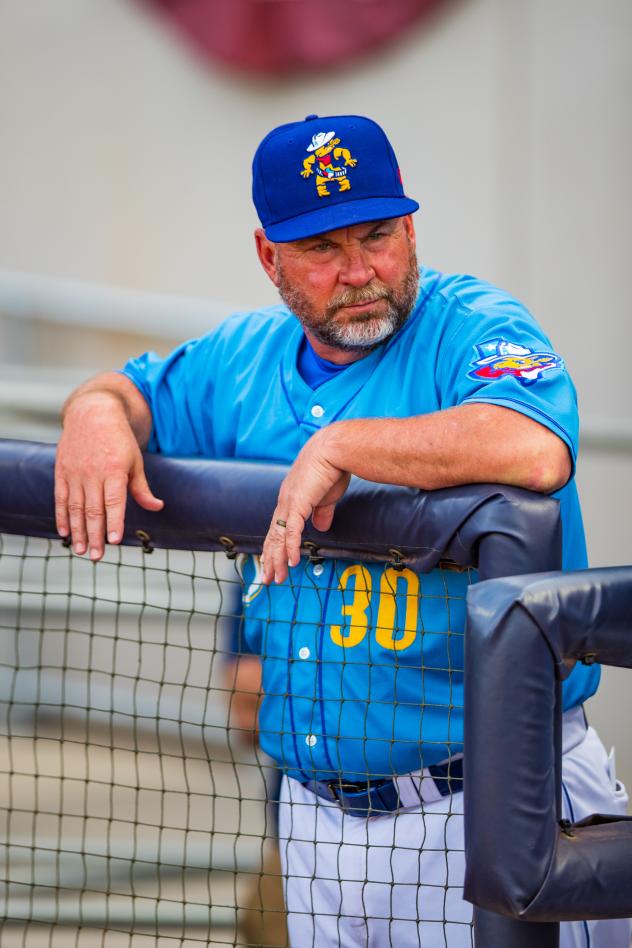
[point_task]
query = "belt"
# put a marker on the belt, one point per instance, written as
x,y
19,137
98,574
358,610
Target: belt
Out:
x,y
370,797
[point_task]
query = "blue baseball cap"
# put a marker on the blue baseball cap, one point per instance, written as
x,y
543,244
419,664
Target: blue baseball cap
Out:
x,y
324,173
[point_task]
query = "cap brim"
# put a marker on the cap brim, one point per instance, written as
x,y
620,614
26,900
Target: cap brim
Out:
x,y
344,214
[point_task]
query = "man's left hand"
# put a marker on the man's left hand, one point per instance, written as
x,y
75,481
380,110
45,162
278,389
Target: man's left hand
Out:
x,y
313,487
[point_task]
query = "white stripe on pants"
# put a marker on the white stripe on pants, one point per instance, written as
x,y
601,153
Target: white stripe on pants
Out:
x,y
397,879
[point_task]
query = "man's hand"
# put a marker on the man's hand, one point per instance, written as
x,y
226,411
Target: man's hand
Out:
x,y
467,444
98,460
312,487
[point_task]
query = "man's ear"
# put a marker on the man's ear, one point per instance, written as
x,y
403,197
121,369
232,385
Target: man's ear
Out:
x,y
409,227
266,251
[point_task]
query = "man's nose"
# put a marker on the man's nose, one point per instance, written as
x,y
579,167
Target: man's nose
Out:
x,y
356,269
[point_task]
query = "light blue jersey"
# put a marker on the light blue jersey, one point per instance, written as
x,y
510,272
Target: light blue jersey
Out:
x,y
362,672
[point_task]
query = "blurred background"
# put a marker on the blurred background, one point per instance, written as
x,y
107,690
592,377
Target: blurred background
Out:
x,y
126,223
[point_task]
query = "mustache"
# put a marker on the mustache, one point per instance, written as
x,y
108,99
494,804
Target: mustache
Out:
x,y
362,294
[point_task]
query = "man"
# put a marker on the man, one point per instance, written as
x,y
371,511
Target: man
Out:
x,y
376,369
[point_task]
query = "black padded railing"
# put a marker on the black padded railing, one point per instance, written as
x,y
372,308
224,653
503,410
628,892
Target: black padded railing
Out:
x,y
222,505
209,506
524,865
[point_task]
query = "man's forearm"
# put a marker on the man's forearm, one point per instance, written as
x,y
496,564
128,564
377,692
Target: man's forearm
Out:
x,y
105,424
463,445
110,392
467,444
473,443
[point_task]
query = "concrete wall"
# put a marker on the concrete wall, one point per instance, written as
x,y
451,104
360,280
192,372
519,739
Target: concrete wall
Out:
x,y
124,160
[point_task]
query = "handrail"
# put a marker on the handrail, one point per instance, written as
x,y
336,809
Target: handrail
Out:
x,y
41,391
36,298
27,296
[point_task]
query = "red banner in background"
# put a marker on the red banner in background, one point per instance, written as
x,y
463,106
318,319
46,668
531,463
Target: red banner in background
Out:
x,y
276,37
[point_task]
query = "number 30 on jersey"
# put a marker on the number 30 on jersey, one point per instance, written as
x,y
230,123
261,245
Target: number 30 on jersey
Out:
x,y
393,584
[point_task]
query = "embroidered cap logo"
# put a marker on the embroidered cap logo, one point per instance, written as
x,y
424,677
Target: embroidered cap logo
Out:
x,y
323,159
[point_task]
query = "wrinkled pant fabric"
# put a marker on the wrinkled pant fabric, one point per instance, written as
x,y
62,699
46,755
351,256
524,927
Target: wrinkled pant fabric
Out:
x,y
397,879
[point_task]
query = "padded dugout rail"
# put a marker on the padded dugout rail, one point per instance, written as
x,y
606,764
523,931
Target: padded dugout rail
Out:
x,y
527,634
227,505
485,525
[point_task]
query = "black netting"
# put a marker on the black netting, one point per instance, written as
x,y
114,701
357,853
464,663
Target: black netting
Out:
x,y
181,744
136,805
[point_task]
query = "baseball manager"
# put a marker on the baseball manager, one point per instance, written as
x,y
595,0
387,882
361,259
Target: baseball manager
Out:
x,y
376,367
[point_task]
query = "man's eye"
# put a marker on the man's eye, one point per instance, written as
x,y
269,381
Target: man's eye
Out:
x,y
377,235
322,247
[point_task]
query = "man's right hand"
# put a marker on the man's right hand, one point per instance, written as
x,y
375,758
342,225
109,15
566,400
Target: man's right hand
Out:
x,y
98,460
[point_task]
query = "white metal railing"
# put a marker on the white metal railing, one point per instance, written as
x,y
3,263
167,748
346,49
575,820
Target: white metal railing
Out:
x,y
31,399
25,296
31,396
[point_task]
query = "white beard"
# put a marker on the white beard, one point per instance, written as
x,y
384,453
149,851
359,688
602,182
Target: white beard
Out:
x,y
362,334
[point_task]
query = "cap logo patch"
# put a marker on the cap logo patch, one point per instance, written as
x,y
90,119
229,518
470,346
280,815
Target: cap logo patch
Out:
x,y
498,358
324,162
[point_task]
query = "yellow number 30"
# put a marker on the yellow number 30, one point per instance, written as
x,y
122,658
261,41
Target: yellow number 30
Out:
x,y
353,633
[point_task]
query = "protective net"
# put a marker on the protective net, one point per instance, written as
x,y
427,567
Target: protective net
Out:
x,y
137,807
182,746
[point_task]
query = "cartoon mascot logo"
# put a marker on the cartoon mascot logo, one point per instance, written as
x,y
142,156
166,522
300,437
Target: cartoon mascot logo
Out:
x,y
324,154
498,358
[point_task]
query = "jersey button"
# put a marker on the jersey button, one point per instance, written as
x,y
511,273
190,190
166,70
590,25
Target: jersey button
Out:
x,y
310,740
318,569
317,411
304,652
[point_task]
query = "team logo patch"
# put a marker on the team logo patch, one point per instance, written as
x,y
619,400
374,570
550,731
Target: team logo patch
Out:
x,y
498,358
324,161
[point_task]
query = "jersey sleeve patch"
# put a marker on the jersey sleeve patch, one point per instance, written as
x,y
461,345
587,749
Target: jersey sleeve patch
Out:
x,y
498,358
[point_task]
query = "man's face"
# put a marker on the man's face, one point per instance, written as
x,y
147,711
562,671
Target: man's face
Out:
x,y
351,288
